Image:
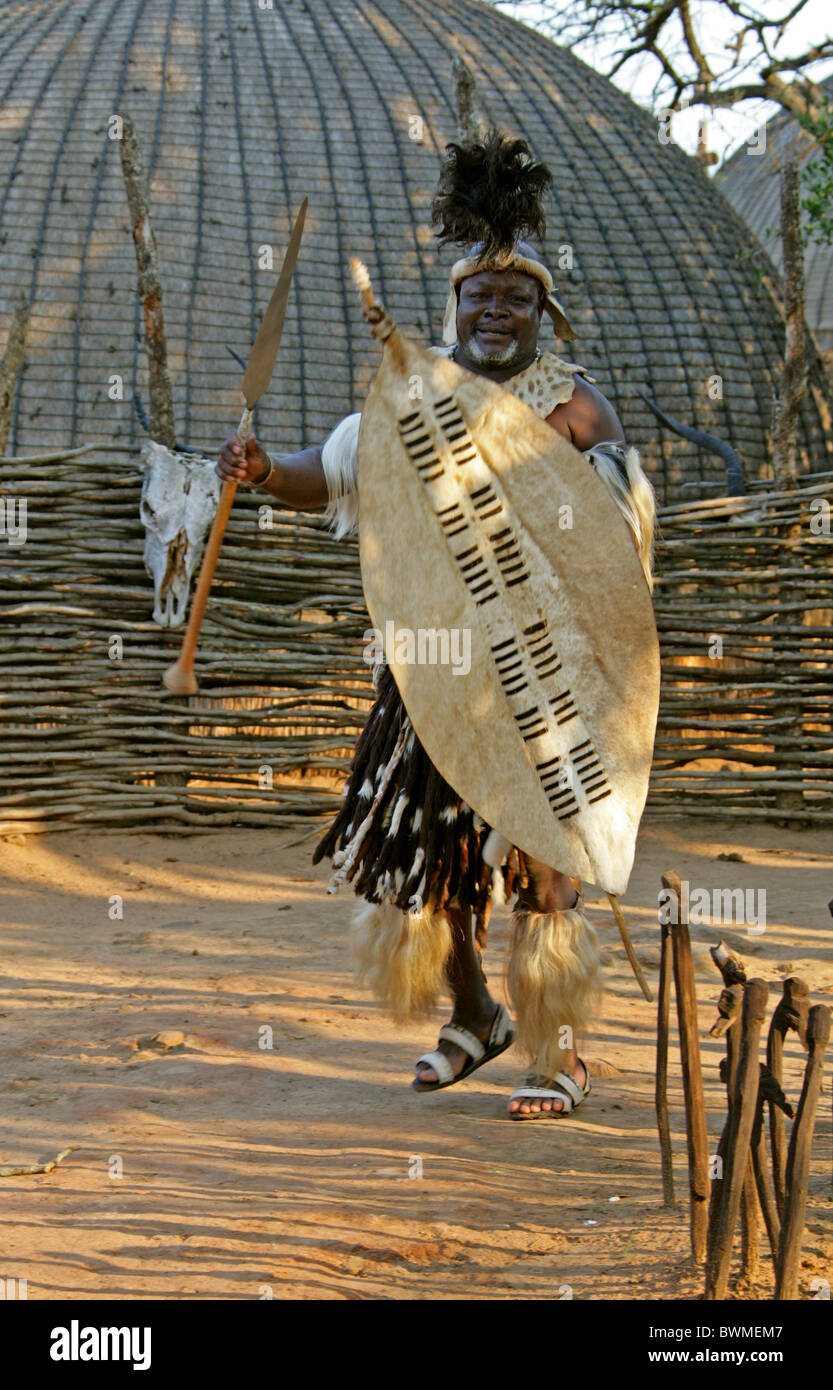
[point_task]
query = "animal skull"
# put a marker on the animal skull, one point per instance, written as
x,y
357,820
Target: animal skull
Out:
x,y
179,498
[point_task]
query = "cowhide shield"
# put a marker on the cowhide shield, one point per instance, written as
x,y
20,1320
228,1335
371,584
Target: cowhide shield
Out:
x,y
475,516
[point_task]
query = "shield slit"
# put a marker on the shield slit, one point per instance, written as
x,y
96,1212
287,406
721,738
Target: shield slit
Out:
x,y
555,778
591,774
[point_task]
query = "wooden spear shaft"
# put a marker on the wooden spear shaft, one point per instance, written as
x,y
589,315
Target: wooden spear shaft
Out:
x,y
179,678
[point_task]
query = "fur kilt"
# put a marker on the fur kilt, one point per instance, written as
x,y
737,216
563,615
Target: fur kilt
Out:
x,y
423,845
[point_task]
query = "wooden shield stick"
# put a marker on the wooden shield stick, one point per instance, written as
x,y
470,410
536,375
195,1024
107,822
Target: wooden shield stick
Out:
x,y
628,945
180,677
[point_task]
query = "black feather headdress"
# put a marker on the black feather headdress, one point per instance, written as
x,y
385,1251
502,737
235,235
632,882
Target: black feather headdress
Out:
x,y
490,192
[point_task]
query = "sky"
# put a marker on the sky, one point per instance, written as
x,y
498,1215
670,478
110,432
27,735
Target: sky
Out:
x,y
726,129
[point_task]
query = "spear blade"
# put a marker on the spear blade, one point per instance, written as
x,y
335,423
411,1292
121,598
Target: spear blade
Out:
x,y
262,358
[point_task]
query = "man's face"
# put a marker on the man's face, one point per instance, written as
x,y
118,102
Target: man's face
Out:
x,y
499,317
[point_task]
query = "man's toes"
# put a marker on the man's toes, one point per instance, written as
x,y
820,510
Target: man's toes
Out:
x,y
425,1074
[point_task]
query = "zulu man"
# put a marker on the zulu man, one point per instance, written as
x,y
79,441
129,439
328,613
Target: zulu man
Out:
x,y
424,859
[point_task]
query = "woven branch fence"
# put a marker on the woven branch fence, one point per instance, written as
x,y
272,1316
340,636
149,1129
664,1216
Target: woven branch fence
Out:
x,y
744,604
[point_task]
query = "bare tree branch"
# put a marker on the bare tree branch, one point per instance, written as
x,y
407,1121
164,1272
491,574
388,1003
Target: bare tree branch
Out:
x,y
674,35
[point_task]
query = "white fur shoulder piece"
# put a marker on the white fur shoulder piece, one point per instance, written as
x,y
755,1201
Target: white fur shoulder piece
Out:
x,y
340,457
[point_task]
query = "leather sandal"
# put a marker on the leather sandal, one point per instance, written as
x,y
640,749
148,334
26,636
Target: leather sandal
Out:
x,y
500,1037
561,1087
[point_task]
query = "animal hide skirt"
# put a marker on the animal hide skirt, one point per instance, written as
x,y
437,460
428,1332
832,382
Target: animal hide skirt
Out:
x,y
413,849
403,836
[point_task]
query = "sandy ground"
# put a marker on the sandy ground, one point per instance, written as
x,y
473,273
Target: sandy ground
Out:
x,y
218,1168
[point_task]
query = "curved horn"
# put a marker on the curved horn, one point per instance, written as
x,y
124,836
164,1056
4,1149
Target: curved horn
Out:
x,y
735,479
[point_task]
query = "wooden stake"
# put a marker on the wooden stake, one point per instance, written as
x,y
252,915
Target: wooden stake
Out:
x,y
769,1090
793,385
733,971
150,288
744,1101
749,1223
661,1088
729,964
698,1152
465,88
728,1022
10,364
791,1012
798,1158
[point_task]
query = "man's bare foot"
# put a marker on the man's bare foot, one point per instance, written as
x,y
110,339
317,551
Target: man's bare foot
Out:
x,y
480,1025
532,1106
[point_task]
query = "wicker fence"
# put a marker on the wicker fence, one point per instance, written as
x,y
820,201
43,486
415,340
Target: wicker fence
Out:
x,y
744,605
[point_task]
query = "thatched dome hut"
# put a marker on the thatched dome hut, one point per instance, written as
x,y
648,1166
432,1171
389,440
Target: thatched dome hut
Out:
x,y
750,180
242,109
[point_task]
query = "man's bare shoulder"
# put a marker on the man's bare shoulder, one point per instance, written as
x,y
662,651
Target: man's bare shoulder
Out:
x,y
588,417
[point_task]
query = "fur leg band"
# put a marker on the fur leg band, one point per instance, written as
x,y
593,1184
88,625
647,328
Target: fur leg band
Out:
x,y
554,981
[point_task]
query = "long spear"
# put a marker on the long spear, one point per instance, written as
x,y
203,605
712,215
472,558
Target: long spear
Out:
x,y
180,677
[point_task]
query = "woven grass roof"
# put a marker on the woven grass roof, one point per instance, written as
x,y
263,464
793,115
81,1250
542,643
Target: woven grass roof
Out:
x,y
751,183
241,112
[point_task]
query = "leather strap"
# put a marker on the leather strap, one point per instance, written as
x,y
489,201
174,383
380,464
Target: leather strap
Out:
x,y
572,1095
440,1064
500,1027
461,1037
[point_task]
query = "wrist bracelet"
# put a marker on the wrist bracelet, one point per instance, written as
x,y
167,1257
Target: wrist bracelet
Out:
x,y
267,475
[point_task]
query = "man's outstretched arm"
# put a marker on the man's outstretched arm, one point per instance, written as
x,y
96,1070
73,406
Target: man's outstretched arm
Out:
x,y
297,480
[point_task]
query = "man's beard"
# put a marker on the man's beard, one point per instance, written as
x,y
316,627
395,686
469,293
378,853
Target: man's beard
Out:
x,y
496,357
